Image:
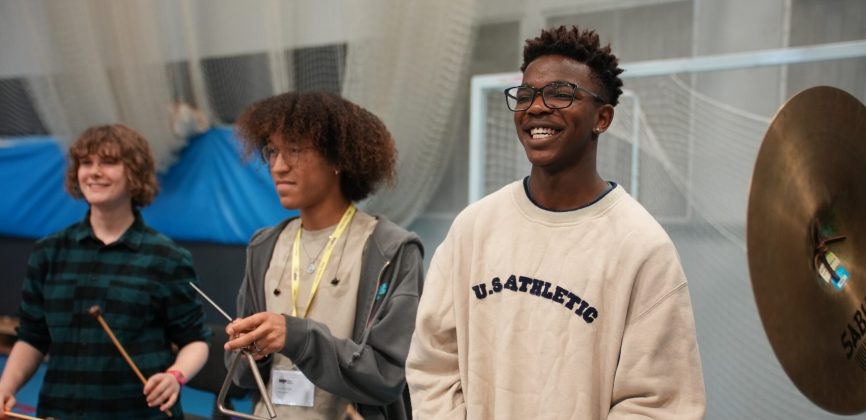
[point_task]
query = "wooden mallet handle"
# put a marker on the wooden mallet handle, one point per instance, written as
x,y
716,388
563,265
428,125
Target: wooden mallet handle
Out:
x,y
19,416
96,312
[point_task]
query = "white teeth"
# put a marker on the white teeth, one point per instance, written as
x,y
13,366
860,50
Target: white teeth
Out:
x,y
542,132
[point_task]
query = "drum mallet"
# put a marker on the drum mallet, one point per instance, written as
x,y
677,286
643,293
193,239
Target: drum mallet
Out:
x,y
96,312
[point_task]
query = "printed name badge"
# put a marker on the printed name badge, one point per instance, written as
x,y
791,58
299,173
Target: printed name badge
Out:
x,y
291,387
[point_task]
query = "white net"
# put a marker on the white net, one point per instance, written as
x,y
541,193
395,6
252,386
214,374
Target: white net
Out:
x,y
92,62
170,68
651,148
412,81
688,156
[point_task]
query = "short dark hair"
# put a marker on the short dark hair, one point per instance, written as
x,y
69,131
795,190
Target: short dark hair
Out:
x,y
584,47
351,138
124,144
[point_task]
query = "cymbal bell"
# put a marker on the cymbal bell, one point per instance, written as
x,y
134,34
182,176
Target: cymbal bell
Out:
x,y
806,219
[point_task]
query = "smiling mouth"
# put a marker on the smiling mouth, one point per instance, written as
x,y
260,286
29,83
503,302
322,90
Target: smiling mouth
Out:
x,y
541,133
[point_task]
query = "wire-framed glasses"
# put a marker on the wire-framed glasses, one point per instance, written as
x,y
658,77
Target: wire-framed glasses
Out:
x,y
291,154
556,95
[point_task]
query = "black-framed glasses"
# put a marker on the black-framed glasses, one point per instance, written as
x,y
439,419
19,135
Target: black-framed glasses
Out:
x,y
556,95
291,154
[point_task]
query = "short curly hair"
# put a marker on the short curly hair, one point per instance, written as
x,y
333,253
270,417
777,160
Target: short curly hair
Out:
x,y
584,47
119,142
351,138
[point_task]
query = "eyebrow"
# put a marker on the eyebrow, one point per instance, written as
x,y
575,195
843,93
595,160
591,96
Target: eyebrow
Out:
x,y
553,82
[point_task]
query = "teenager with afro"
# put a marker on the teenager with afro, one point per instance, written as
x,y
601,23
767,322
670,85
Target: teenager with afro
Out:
x,y
558,296
329,298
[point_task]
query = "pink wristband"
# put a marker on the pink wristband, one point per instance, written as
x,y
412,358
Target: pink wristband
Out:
x,y
177,375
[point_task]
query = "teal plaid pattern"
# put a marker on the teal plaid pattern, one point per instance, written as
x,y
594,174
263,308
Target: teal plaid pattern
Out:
x,y
141,284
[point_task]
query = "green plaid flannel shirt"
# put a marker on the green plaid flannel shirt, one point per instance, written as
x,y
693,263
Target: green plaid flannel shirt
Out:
x,y
140,282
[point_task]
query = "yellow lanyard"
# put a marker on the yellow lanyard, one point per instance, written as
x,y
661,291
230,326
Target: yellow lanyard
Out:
x,y
323,263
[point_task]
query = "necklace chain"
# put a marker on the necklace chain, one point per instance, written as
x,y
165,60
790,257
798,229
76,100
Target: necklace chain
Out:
x,y
311,268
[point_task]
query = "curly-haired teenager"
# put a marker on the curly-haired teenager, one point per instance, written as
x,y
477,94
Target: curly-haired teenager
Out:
x,y
137,276
558,296
328,300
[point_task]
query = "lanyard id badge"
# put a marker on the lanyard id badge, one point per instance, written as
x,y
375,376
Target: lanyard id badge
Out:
x,y
291,387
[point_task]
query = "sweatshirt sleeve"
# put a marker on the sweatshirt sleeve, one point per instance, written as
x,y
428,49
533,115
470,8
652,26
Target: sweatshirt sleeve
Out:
x,y
659,372
371,372
432,369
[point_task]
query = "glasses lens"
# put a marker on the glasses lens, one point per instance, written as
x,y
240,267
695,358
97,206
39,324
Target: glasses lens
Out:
x,y
294,154
519,98
290,155
268,154
558,95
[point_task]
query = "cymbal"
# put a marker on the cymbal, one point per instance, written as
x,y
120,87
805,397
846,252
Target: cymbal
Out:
x,y
806,219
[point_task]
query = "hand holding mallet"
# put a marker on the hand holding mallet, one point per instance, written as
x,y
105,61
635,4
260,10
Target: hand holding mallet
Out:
x,y
96,312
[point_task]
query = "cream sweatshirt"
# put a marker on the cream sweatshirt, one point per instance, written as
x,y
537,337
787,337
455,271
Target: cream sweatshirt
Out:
x,y
534,314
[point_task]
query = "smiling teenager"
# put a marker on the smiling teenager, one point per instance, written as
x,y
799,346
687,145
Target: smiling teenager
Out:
x,y
136,275
328,301
558,296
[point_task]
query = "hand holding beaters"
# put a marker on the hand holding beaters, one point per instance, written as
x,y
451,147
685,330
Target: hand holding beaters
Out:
x,y
248,354
96,312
